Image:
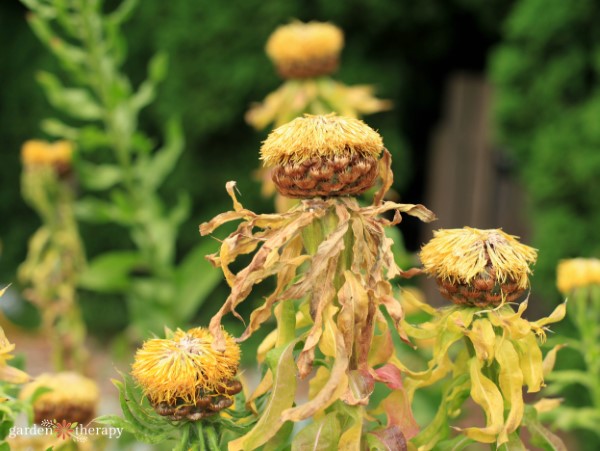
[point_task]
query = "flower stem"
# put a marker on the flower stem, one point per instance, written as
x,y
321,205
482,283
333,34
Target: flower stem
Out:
x,y
211,435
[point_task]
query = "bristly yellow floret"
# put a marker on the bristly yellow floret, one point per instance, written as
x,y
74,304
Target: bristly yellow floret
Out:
x,y
184,366
300,41
319,136
460,255
576,273
43,153
65,388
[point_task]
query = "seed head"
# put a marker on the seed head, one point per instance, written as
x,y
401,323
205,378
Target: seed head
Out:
x,y
72,397
576,273
184,369
304,50
478,267
322,156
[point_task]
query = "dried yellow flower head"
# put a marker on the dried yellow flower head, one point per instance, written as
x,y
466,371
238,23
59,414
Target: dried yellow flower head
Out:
x,y
42,153
184,377
576,273
325,155
305,50
478,267
73,397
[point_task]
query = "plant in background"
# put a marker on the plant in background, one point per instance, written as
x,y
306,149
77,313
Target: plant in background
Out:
x,y
579,280
56,256
305,55
489,350
188,386
546,102
119,166
332,263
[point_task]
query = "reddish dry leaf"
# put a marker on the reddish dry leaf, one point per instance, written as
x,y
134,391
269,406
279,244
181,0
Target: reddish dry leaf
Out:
x,y
392,438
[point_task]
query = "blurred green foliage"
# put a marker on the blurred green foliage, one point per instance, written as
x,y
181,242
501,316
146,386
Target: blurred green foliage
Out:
x,y
217,67
548,109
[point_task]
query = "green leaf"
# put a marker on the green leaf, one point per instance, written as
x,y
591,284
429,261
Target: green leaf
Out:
x,y
281,363
195,279
99,211
123,12
540,435
56,128
457,443
100,176
163,161
110,272
322,434
76,102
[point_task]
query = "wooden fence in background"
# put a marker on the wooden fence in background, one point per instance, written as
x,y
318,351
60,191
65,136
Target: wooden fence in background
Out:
x,y
470,181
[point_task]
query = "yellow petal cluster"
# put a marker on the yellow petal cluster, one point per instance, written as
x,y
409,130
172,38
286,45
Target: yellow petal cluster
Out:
x,y
185,366
460,255
43,153
302,42
576,273
320,136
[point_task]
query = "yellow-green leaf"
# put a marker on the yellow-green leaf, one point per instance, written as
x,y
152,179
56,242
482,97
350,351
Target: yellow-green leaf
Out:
x,y
487,395
511,385
530,361
550,359
483,337
281,363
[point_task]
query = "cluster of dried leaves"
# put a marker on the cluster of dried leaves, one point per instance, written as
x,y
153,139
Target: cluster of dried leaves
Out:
x,y
332,262
314,96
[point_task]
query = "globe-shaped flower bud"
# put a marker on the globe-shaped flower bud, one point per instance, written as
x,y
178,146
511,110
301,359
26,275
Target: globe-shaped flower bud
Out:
x,y
478,267
305,50
577,273
323,156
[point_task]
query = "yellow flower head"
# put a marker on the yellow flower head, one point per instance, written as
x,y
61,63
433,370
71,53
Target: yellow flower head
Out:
x,y
303,50
576,273
42,153
478,267
72,397
325,155
184,367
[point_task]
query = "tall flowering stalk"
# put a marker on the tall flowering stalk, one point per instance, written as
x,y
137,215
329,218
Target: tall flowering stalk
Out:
x,y
332,264
490,350
120,168
305,55
579,280
56,257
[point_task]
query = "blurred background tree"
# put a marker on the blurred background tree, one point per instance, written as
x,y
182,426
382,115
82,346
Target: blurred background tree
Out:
x,y
546,73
